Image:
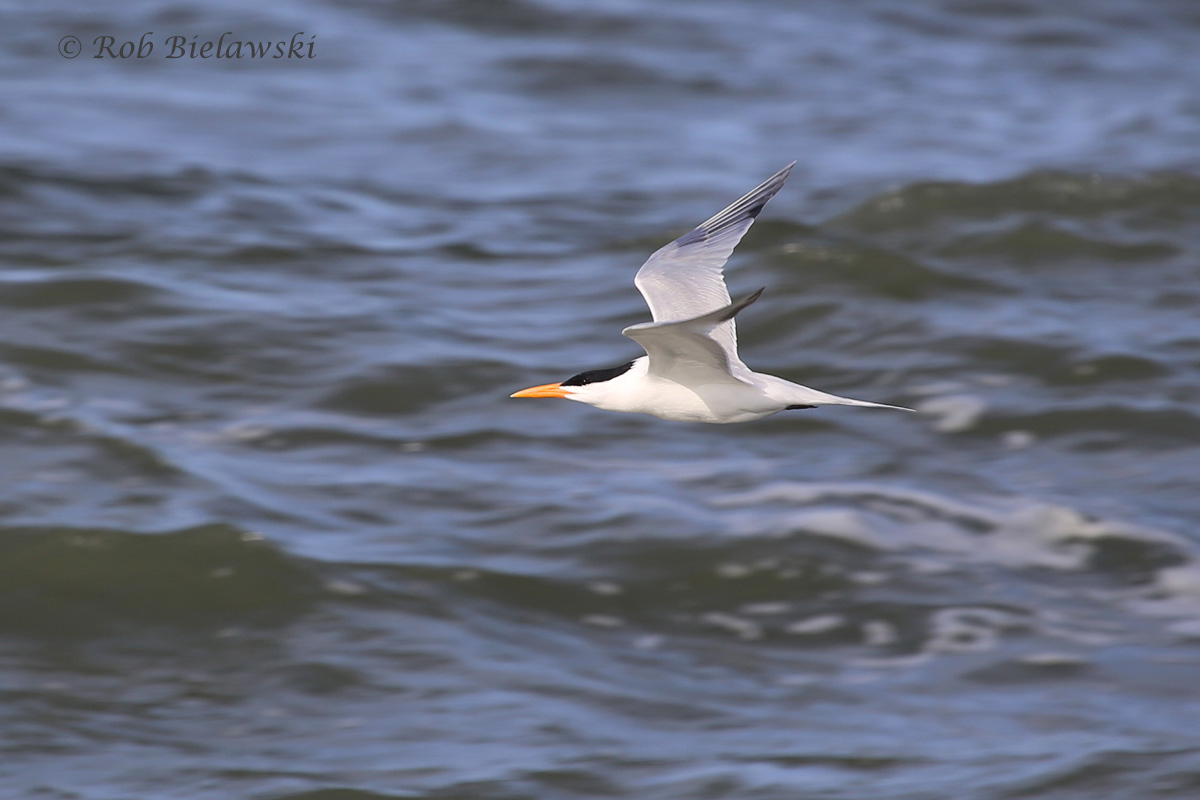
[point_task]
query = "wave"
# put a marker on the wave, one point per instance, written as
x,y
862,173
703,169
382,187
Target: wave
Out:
x,y
59,580
1155,201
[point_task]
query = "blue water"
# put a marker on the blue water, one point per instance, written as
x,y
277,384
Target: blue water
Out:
x,y
270,526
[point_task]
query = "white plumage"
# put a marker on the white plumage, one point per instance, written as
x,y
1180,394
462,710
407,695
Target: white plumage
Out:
x,y
691,370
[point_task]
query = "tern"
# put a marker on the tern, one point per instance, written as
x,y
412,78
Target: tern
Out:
x,y
691,371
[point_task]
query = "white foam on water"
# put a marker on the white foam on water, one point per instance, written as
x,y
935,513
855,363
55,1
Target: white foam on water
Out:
x,y
1018,440
887,518
953,413
967,630
933,535
744,628
877,633
814,625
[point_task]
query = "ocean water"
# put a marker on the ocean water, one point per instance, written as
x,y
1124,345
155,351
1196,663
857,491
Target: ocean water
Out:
x,y
271,527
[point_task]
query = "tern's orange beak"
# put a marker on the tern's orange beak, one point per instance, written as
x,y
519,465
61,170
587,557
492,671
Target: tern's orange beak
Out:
x,y
545,390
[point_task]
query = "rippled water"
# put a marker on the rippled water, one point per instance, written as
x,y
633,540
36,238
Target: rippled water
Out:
x,y
270,526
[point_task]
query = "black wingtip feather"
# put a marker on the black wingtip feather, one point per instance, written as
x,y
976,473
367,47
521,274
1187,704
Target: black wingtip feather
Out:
x,y
750,298
749,205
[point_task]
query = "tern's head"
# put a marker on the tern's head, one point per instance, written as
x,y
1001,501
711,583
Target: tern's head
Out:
x,y
597,387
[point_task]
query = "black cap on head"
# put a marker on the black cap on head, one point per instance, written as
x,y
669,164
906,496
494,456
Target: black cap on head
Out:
x,y
597,375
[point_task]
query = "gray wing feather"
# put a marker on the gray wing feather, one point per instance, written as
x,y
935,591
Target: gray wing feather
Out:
x,y
683,280
685,351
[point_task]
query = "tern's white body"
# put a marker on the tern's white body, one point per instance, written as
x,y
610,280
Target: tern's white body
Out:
x,y
691,371
639,391
748,398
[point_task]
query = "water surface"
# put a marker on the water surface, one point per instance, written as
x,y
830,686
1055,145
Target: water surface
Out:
x,y
271,528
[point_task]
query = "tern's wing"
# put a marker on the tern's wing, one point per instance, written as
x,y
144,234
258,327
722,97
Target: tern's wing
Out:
x,y
686,351
683,280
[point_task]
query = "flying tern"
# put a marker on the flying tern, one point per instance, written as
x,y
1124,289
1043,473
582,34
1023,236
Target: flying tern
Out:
x,y
691,371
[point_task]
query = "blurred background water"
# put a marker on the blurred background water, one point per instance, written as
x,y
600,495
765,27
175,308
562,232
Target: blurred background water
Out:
x,y
270,526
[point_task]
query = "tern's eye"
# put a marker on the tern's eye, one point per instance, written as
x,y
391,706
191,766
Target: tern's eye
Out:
x,y
597,375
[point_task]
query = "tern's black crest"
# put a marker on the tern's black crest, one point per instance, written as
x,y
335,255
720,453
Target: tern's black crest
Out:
x,y
597,375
